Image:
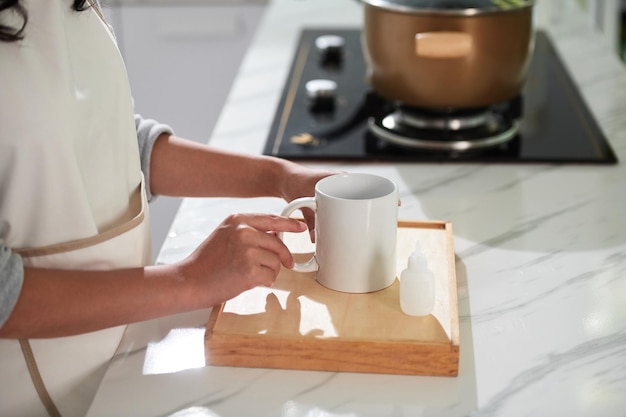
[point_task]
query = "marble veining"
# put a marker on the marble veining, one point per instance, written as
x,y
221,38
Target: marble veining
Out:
x,y
540,260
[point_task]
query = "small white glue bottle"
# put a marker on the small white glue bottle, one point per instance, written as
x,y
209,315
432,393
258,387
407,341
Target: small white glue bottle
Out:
x,y
417,285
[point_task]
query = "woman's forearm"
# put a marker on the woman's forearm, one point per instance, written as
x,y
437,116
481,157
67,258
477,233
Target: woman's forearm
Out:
x,y
184,168
56,303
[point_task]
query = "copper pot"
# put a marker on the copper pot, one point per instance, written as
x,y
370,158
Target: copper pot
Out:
x,y
448,54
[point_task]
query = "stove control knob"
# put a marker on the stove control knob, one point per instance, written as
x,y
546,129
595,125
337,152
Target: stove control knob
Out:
x,y
321,94
331,49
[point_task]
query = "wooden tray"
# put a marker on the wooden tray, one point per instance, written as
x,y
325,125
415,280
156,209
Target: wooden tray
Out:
x,y
299,324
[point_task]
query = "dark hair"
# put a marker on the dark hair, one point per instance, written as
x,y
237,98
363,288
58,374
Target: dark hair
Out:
x,y
12,34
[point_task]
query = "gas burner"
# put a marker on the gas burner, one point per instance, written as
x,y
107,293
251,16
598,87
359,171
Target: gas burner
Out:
x,y
445,130
442,119
329,111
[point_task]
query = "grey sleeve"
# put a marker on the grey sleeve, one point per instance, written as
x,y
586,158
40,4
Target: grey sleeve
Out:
x,y
148,131
11,279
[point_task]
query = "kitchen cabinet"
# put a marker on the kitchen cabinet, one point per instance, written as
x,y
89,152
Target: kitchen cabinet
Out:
x,y
181,57
622,31
604,16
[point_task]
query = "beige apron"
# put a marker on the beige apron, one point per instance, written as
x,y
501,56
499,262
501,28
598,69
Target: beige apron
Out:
x,y
71,368
72,148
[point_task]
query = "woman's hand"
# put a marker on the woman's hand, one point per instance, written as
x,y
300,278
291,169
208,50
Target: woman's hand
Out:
x,y
299,181
240,254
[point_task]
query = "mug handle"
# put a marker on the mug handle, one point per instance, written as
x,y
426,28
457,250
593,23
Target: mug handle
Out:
x,y
442,45
304,202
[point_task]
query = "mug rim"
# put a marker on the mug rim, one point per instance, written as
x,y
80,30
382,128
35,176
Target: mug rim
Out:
x,y
323,182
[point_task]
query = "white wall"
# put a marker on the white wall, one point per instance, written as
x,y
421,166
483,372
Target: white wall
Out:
x,y
182,58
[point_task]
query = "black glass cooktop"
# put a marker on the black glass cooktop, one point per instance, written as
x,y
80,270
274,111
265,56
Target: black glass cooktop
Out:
x,y
555,126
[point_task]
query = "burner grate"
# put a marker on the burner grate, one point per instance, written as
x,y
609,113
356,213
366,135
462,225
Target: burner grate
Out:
x,y
392,130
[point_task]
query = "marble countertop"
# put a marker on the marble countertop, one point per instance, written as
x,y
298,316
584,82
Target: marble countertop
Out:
x,y
541,268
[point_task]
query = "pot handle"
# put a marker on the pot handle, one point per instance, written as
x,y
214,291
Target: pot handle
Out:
x,y
443,45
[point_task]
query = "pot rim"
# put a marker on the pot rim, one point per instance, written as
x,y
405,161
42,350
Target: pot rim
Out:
x,y
395,7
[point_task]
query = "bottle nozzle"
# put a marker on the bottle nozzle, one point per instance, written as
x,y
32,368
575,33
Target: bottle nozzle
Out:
x,y
417,258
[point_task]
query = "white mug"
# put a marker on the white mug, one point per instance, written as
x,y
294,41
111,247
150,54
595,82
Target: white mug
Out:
x,y
356,222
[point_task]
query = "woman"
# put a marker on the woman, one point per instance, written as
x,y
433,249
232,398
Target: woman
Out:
x,y
74,244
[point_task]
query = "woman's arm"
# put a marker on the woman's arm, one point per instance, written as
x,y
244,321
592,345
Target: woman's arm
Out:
x,y
181,167
240,254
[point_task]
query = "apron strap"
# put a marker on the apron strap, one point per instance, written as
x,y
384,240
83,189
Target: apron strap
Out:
x,y
96,8
137,200
82,243
33,370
